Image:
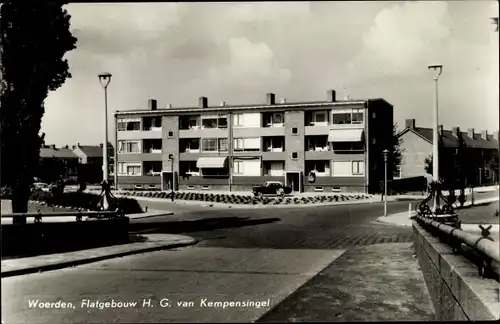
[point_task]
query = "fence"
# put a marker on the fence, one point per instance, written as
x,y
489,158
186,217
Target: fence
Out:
x,y
78,215
480,249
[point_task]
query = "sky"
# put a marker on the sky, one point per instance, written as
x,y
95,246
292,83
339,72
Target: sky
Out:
x,y
238,52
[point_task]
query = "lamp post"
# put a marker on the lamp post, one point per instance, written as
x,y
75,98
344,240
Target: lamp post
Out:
x,y
171,158
105,79
438,69
386,154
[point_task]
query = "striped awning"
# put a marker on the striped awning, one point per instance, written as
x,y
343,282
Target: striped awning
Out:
x,y
345,135
215,162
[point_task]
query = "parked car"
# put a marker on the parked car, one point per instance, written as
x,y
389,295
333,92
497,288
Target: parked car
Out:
x,y
271,188
41,186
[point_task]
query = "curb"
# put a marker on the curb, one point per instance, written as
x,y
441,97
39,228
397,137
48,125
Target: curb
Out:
x,y
74,263
150,216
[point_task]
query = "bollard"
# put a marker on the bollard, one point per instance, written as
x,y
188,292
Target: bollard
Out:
x,y
409,210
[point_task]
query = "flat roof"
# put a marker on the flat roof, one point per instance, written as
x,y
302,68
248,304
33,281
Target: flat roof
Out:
x,y
226,108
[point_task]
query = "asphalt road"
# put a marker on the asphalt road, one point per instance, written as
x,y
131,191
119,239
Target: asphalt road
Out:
x,y
293,259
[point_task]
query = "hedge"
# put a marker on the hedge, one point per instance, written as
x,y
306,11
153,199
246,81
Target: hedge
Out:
x,y
84,200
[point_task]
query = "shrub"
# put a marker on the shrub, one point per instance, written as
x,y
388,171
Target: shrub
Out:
x,y
85,200
5,193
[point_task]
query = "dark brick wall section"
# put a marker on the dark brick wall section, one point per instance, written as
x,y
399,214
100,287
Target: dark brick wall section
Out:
x,y
456,290
336,181
125,180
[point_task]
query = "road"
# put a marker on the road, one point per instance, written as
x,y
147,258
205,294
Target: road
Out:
x,y
330,263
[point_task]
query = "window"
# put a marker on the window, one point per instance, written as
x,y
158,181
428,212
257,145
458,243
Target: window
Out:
x,y
193,122
357,116
209,144
129,147
318,189
222,122
238,120
205,187
348,117
170,134
209,122
218,121
188,168
129,125
295,155
190,145
190,187
295,130
340,119
358,167
341,169
277,118
128,168
247,144
223,145
319,117
274,144
238,144
238,167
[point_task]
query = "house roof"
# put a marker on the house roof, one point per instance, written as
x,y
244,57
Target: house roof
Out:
x,y
92,150
61,153
450,140
276,105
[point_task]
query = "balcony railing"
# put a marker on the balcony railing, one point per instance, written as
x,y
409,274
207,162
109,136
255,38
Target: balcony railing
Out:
x,y
153,151
152,128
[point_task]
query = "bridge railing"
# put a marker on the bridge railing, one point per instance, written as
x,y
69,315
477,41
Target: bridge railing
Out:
x,y
481,249
38,216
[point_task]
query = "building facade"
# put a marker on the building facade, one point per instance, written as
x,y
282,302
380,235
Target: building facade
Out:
x,y
324,146
482,148
90,162
56,163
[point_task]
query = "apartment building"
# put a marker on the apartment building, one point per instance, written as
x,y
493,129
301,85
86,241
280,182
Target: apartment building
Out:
x,y
324,146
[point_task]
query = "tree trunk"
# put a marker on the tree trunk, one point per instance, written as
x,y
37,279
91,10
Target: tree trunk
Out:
x,y
20,198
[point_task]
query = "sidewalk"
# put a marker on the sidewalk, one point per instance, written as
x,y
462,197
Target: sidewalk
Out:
x,y
403,219
153,242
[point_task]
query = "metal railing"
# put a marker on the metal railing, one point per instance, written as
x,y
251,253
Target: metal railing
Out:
x,y
485,252
38,216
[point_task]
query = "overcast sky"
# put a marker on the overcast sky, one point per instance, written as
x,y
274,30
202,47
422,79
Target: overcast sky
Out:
x,y
237,52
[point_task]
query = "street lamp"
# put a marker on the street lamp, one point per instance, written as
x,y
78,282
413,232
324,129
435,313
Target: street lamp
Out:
x,y
105,79
171,158
386,154
438,69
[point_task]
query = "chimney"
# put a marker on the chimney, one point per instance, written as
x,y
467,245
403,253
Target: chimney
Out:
x,y
169,105
202,102
73,147
101,145
410,123
78,144
470,132
331,96
455,131
53,146
440,130
222,103
495,135
283,101
484,135
152,104
270,98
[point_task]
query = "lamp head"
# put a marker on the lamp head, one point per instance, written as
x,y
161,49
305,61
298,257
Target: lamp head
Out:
x,y
386,154
170,156
105,79
438,69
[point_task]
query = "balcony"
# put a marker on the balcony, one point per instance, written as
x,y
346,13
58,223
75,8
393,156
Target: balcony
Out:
x,y
152,146
273,119
152,168
151,124
189,145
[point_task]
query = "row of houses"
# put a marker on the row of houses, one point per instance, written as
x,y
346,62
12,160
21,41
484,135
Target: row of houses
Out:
x,y
481,151
78,162
325,145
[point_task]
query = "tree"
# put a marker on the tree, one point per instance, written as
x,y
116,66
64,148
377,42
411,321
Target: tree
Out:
x,y
34,40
